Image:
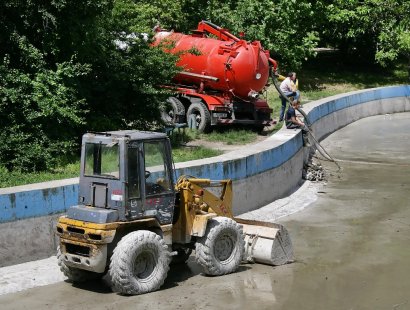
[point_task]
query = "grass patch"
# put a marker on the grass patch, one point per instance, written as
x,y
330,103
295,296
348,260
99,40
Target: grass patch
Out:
x,y
181,154
15,178
228,135
332,74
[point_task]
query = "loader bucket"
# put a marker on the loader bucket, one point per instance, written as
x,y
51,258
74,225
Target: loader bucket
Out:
x,y
266,243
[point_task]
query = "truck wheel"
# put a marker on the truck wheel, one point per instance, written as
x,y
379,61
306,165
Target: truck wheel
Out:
x,y
221,249
201,116
140,263
173,111
75,274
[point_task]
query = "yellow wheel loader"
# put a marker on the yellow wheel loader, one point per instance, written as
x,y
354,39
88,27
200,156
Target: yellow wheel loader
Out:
x,y
132,219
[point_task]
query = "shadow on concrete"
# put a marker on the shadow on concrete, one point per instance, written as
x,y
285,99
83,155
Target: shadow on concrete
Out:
x,y
100,286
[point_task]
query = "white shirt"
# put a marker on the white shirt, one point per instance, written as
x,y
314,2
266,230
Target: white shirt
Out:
x,y
287,85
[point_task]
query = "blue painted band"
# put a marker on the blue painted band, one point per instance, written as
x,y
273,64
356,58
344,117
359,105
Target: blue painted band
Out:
x,y
27,204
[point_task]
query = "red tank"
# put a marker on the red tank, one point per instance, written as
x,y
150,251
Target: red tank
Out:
x,y
224,72
239,67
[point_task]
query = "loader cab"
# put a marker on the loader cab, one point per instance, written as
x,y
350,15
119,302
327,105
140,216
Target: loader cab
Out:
x,y
125,175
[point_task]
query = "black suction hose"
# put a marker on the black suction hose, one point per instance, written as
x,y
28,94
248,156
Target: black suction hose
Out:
x,y
320,148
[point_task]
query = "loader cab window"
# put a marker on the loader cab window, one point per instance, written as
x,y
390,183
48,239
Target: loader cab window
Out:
x,y
157,177
102,160
133,173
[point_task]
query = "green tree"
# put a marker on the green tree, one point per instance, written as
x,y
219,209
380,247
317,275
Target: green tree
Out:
x,y
124,88
63,72
373,30
40,107
144,15
394,38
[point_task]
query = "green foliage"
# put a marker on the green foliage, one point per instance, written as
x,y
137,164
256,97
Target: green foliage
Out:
x,y
371,29
39,112
62,73
144,15
329,75
393,43
40,107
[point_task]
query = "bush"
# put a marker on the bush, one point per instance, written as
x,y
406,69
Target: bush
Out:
x,y
40,113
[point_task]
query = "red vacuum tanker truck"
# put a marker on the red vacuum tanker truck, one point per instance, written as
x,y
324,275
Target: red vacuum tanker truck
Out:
x,y
220,82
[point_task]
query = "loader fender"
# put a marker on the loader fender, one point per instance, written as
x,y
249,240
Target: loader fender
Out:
x,y
200,223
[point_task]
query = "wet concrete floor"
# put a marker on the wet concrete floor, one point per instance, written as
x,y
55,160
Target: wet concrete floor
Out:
x,y
352,244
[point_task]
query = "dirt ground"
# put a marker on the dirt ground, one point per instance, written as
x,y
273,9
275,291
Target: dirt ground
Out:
x,y
352,244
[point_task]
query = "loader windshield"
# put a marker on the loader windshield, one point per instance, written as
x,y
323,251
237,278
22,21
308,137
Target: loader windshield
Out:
x,y
102,160
157,177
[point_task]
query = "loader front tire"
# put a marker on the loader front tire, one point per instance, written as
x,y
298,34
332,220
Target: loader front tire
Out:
x,y
140,263
75,274
220,250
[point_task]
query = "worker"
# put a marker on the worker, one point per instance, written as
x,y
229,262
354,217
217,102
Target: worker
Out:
x,y
293,122
289,88
280,78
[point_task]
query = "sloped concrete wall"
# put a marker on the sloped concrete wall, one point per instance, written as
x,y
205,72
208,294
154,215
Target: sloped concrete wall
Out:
x,y
261,173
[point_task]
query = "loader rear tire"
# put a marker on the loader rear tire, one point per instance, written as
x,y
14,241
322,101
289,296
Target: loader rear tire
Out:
x,y
140,263
220,250
75,274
